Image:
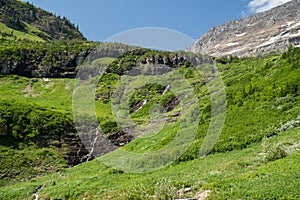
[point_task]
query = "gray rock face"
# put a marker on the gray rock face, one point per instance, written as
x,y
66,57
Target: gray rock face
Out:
x,y
257,35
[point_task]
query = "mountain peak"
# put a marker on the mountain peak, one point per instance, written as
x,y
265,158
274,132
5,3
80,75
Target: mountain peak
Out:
x,y
256,35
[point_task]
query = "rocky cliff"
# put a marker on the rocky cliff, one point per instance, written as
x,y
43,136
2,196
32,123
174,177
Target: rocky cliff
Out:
x,y
259,34
55,59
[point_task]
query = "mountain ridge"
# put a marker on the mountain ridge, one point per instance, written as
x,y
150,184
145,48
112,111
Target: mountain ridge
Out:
x,y
256,35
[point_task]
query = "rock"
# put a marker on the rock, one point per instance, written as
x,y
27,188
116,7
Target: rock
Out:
x,y
171,105
120,139
260,34
176,114
203,194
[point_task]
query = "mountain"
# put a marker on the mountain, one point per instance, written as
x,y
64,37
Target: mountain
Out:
x,y
259,34
47,125
24,17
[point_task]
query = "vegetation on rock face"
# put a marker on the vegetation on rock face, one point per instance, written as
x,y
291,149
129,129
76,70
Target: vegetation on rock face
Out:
x,y
59,59
35,59
29,161
261,94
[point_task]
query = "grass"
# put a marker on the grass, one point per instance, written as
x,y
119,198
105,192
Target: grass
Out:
x,y
29,162
262,95
234,175
48,93
12,34
51,93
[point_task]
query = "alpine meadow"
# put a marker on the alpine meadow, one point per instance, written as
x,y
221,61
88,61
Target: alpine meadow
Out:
x,y
54,144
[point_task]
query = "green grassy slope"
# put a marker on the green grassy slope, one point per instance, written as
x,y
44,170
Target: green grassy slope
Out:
x,y
48,93
262,101
239,174
25,18
261,95
12,34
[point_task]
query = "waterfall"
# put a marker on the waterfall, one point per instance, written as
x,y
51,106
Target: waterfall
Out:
x,y
93,143
78,154
166,89
144,102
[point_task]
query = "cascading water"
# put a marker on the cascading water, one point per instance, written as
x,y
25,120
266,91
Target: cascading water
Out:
x,y
78,154
144,102
93,143
166,89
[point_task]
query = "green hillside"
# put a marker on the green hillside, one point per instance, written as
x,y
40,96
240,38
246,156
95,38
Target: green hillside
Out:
x,y
12,34
64,101
239,174
257,152
35,23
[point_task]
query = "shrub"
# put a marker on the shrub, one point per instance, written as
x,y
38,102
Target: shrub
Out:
x,y
290,125
272,152
136,193
110,127
165,190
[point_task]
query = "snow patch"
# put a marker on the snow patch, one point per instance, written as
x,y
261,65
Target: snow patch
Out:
x,y
241,34
166,89
232,44
278,37
290,23
294,35
294,26
236,50
271,41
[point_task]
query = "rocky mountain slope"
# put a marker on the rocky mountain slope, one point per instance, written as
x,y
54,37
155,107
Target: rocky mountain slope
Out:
x,y
52,59
24,17
259,34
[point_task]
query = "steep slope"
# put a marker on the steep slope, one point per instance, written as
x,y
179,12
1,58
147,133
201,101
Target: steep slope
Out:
x,y
7,33
24,17
58,58
35,43
262,101
263,33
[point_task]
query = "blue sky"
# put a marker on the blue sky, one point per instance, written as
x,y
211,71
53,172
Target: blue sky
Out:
x,y
100,19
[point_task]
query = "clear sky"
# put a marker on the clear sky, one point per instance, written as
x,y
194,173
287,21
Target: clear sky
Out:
x,y
100,19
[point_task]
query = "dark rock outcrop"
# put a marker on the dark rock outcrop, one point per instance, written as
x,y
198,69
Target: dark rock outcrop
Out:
x,y
120,139
61,63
